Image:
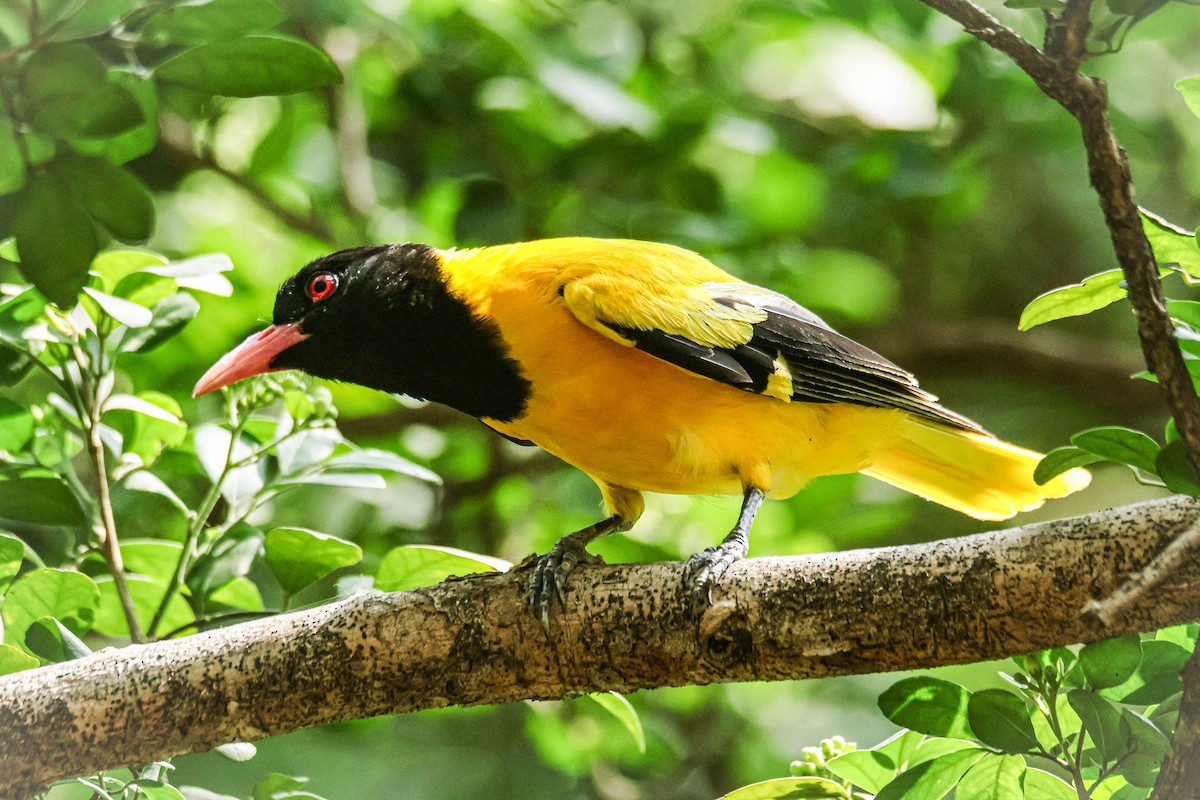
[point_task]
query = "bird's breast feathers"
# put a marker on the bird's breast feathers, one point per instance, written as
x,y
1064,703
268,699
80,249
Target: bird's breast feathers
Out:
x,y
653,369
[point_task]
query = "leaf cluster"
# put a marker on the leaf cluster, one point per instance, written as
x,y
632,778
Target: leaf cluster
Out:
x,y
1078,724
82,88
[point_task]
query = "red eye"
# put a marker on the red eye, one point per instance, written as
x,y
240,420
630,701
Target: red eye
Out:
x,y
322,285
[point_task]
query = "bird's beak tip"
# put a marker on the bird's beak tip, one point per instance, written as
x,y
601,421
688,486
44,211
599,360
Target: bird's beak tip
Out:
x,y
254,356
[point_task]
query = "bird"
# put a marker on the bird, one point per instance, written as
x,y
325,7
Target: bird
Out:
x,y
645,366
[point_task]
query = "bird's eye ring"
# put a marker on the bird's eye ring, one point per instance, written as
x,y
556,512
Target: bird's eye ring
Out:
x,y
321,286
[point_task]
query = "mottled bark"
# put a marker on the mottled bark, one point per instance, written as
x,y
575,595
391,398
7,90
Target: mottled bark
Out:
x,y
625,627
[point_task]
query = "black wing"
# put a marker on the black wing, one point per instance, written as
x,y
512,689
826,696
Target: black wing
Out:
x,y
792,342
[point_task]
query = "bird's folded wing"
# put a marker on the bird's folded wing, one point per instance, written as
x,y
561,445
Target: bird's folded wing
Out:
x,y
749,338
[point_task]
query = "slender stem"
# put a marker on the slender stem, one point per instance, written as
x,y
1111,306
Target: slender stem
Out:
x,y
112,548
179,574
90,402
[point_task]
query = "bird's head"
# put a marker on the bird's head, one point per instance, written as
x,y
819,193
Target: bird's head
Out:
x,y
381,316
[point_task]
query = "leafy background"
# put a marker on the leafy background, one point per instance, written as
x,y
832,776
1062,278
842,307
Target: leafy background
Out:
x,y
865,157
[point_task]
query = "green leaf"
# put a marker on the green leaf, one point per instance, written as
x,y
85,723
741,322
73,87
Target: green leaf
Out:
x,y
1002,720
382,461
146,594
67,87
300,557
110,194
210,21
169,316
251,66
1111,662
12,553
931,780
136,141
1185,311
1156,678
306,449
936,747
993,778
39,496
278,785
49,639
241,593
1060,460
14,660
70,597
230,557
1091,294
156,790
55,239
1175,469
1041,785
1102,721
1190,89
786,789
869,769
58,68
16,425
12,163
1184,635
1150,747
145,432
928,705
414,565
151,558
113,266
900,747
201,274
625,713
126,313
237,751
1171,244
1122,445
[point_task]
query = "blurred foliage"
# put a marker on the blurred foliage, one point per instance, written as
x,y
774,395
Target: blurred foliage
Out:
x,y
1069,725
867,158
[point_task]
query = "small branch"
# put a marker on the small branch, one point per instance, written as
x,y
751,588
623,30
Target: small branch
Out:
x,y
112,548
624,627
195,527
988,29
90,410
1179,778
1168,562
175,145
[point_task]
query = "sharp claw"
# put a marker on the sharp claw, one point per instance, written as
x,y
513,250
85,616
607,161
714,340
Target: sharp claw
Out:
x,y
704,571
548,582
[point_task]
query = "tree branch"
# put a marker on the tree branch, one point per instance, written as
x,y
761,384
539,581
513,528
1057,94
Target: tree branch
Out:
x,y
1056,72
628,627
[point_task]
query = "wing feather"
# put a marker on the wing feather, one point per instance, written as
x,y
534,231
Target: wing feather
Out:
x,y
752,339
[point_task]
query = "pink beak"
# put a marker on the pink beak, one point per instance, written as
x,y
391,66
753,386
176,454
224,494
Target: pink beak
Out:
x,y
251,357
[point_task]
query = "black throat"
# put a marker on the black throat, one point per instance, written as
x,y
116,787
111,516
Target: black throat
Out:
x,y
395,326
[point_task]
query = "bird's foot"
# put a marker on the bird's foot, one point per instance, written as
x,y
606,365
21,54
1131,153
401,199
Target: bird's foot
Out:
x,y
550,574
704,570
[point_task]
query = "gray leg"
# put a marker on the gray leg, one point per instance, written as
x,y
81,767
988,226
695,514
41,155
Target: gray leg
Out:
x,y
704,570
551,570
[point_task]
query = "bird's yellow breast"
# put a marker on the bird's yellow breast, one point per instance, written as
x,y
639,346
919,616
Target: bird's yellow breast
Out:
x,y
629,419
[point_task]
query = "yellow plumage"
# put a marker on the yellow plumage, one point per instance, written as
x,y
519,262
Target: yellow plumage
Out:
x,y
569,310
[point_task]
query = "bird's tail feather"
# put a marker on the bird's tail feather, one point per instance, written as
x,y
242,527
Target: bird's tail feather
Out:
x,y
970,472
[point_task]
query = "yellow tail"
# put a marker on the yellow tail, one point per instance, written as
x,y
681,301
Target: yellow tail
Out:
x,y
970,472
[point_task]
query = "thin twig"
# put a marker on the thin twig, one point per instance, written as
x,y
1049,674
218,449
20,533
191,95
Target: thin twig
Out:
x,y
179,574
1165,564
177,149
1056,73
